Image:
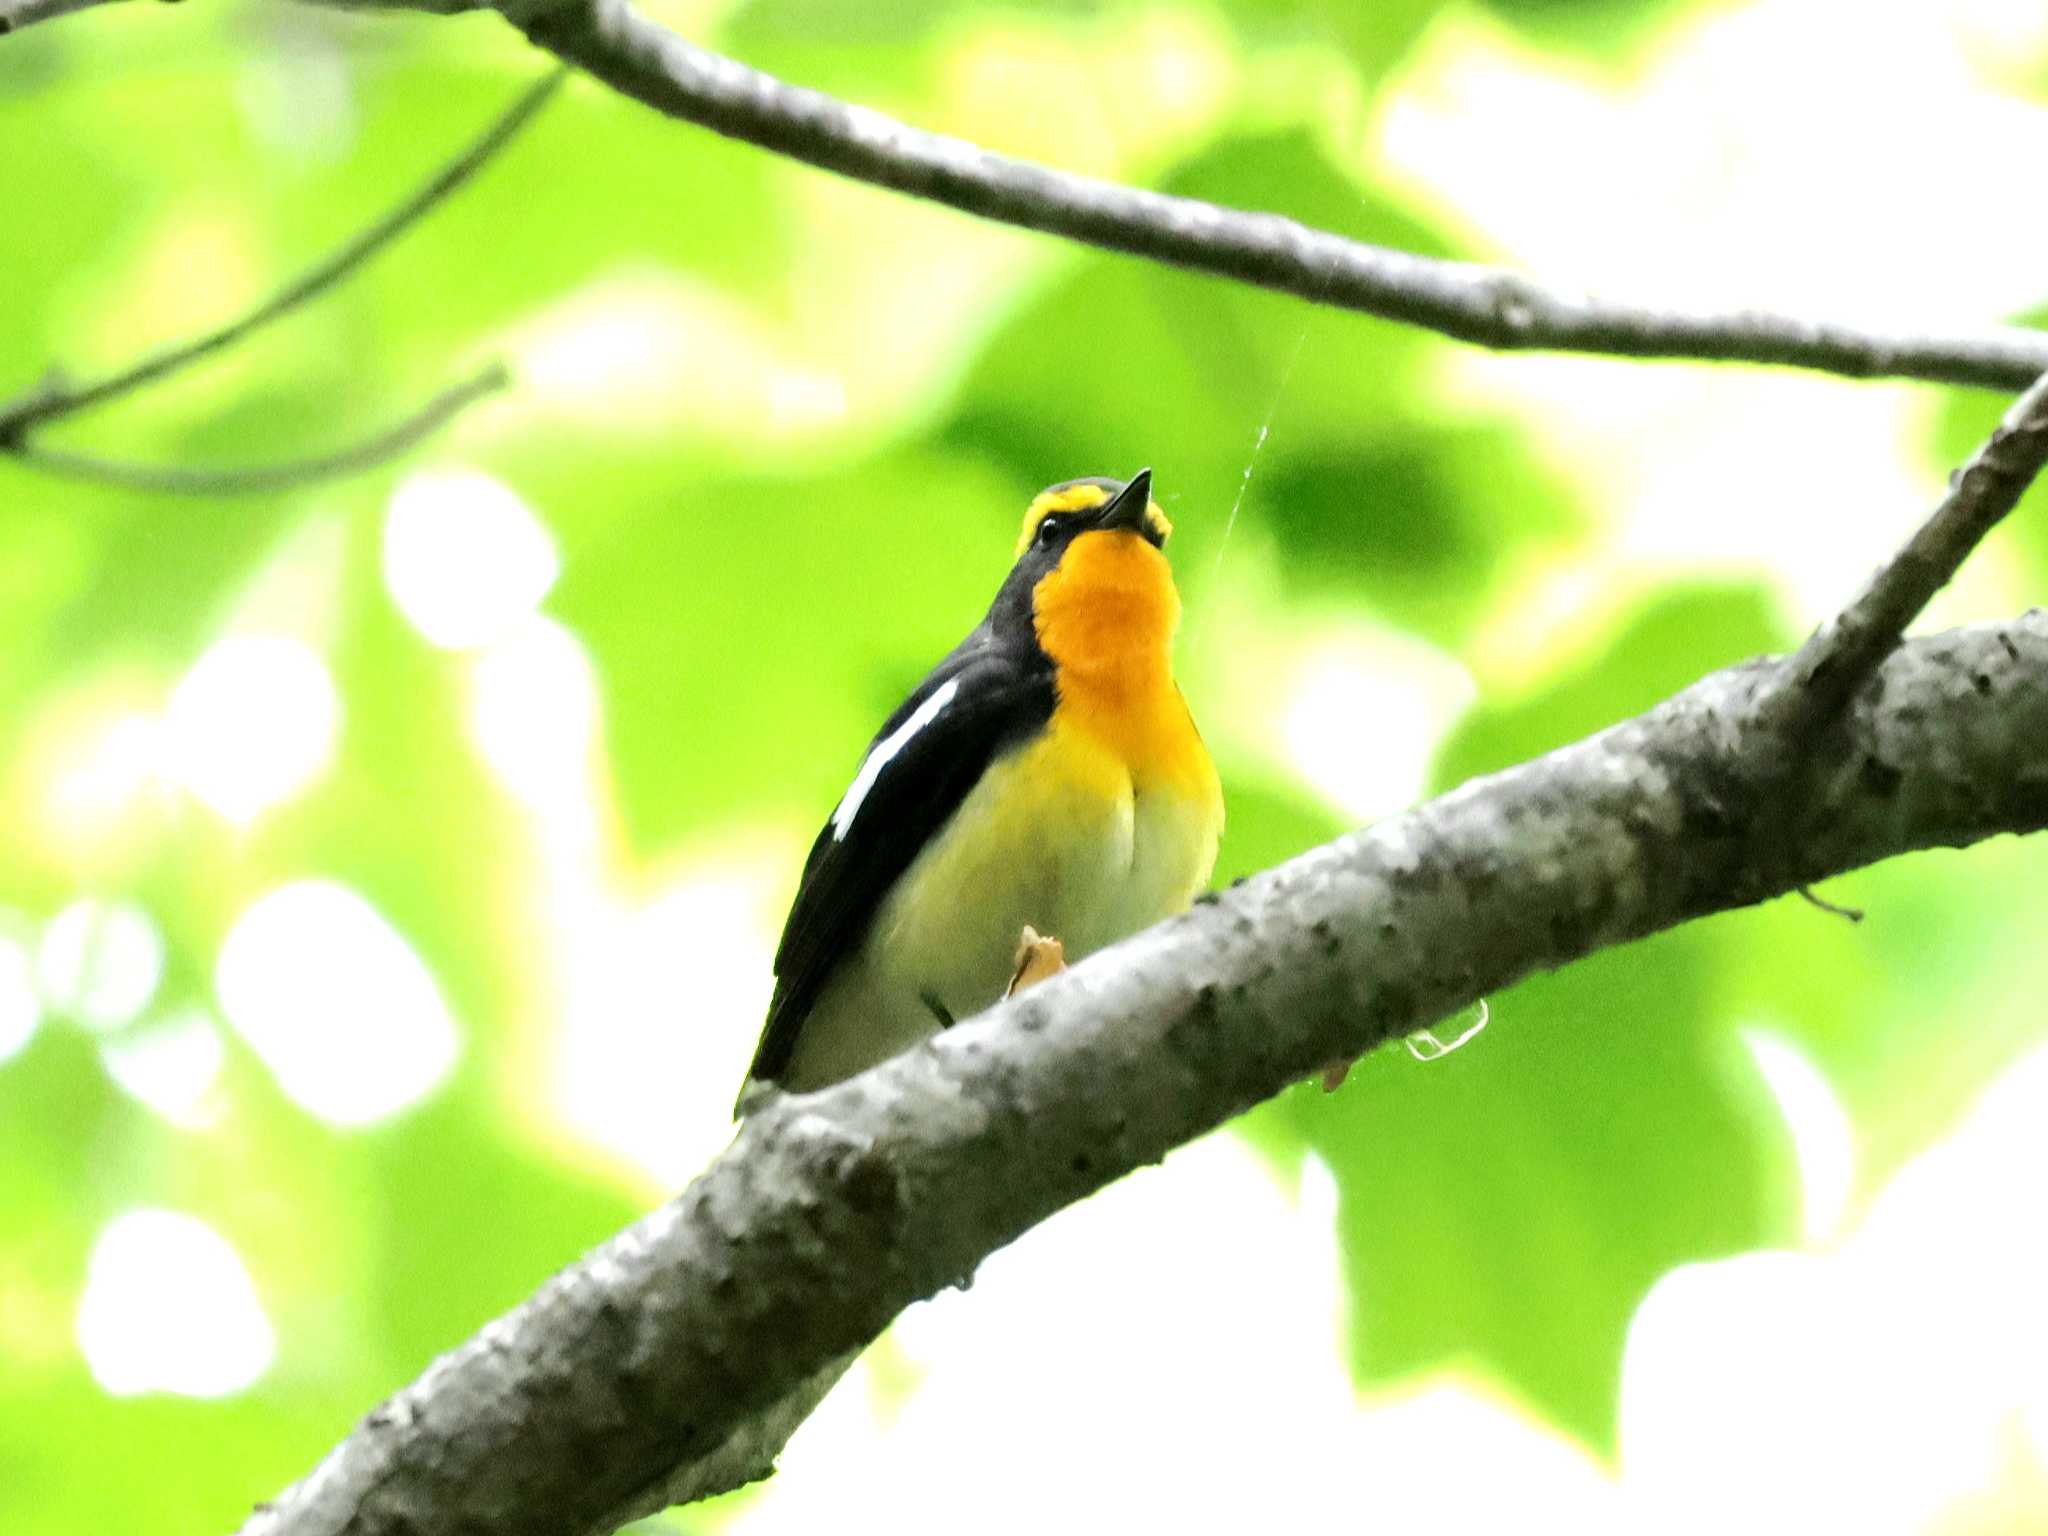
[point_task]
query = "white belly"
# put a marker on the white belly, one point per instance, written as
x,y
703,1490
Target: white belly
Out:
x,y
1056,836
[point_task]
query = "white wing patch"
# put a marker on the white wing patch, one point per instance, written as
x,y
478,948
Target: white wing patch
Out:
x,y
884,753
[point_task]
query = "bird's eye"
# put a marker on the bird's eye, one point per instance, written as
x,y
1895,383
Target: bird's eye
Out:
x,y
1049,530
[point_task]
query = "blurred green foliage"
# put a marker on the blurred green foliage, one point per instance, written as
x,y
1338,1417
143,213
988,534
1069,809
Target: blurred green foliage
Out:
x,y
756,583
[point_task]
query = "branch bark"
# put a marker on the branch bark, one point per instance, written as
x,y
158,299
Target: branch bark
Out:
x,y
1487,306
670,1361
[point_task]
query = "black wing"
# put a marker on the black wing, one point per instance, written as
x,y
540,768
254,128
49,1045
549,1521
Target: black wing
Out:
x,y
999,697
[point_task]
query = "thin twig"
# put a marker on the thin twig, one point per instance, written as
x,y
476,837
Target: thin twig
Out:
x,y
1833,908
1478,304
249,480
52,400
1847,649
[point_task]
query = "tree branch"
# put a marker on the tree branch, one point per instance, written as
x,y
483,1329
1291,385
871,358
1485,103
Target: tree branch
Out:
x,y
1841,653
16,14
1483,305
252,479
672,1363
54,398
693,1332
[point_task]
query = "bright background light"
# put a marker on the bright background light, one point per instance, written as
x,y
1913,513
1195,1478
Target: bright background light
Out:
x,y
534,712
169,1307
251,724
171,1063
1898,1367
1823,1139
645,1068
1364,715
1115,1313
464,557
100,962
20,1005
336,1003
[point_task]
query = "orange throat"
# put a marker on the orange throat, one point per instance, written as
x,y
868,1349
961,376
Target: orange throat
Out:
x,y
1106,616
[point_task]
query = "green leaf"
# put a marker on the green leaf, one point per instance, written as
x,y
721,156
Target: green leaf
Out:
x,y
1506,1207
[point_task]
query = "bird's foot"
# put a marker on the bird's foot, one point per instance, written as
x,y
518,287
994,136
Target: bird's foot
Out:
x,y
1037,958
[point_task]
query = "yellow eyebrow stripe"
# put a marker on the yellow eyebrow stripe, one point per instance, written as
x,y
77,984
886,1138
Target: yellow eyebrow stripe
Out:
x,y
1079,498
1075,498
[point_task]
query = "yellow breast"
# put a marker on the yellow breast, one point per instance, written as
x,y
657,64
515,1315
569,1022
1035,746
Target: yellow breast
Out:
x,y
1106,617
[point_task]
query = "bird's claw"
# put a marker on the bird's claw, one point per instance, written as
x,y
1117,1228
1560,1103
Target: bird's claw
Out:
x,y
1037,958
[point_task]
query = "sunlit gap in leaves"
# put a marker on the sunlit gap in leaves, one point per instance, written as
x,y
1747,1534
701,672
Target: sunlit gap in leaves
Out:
x,y
1895,1381
1353,710
468,563
2007,40
251,724
21,1008
660,978
1106,1339
337,1004
105,772
624,354
466,560
534,715
169,1307
300,98
99,965
662,998
99,962
1361,711
170,1062
1823,1140
1727,140
653,983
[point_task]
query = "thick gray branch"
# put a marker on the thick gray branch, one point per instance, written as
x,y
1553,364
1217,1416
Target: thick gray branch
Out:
x,y
672,1357
1483,305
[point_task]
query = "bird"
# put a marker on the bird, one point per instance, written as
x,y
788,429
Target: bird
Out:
x,y
1047,773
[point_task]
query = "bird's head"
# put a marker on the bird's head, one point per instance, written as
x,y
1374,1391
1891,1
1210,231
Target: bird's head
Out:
x,y
1061,514
1091,573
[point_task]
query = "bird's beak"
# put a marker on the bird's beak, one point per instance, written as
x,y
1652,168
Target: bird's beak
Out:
x,y
1129,508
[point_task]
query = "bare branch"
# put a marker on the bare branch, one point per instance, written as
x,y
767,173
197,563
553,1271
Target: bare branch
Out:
x,y
1483,305
253,479
1842,653
694,1331
56,399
